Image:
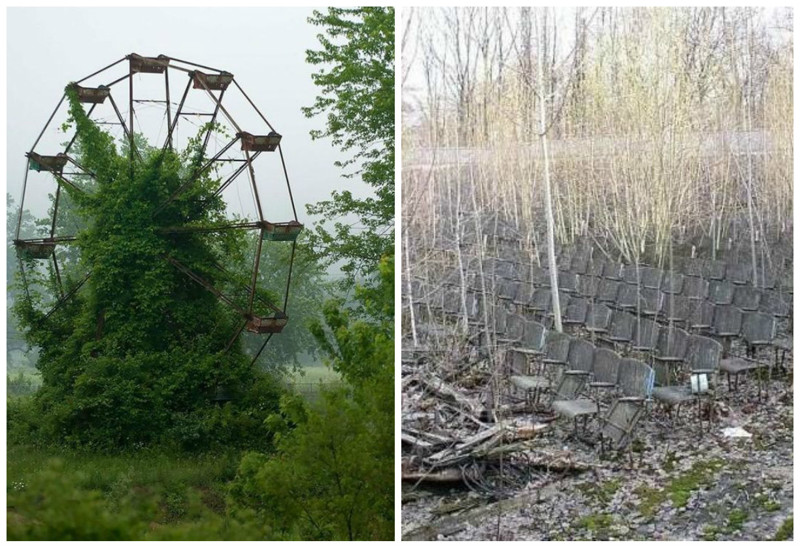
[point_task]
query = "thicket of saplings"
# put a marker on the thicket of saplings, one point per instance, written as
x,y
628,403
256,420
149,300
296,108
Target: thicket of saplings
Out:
x,y
124,439
666,128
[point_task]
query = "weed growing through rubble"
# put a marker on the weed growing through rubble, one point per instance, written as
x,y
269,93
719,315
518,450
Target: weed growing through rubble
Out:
x,y
786,531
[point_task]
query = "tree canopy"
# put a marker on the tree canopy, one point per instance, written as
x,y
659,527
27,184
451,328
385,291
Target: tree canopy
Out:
x,y
356,80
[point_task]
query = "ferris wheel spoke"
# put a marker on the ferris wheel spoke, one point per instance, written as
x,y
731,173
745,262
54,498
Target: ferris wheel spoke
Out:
x,y
62,179
218,103
235,337
289,277
50,119
183,187
236,174
75,136
118,80
258,353
128,134
55,212
254,279
22,200
58,275
200,280
288,186
61,301
210,229
168,140
115,63
248,289
252,174
193,64
253,105
211,124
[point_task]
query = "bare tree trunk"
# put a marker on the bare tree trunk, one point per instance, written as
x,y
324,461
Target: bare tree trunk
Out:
x,y
551,251
749,129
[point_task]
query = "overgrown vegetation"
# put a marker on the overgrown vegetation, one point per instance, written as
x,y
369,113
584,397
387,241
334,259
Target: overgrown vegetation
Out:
x,y
126,439
665,125
356,80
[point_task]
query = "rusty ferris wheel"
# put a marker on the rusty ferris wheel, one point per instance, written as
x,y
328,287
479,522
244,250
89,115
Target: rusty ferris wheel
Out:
x,y
146,82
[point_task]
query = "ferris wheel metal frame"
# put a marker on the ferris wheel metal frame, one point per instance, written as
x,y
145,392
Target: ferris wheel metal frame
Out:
x,y
252,144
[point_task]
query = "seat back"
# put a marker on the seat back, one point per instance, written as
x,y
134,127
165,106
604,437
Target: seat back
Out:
x,y
672,343
622,326
650,277
596,266
727,321
576,310
515,327
608,290
746,298
635,378
704,353
598,317
702,314
775,303
677,308
505,289
588,285
693,267
650,301
695,288
758,328
523,293
568,282
739,273
628,297
533,335
720,293
606,365
581,355
672,283
620,421
540,277
612,270
569,387
563,301
714,269
645,335
541,301
500,320
557,346
580,262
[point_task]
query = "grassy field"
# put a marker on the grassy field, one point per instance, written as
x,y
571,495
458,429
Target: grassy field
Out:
x,y
308,380
143,495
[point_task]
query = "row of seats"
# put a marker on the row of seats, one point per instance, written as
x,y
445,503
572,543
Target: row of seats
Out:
x,y
619,321
626,330
574,365
586,259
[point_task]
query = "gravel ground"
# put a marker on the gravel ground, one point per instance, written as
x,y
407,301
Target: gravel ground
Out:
x,y
676,482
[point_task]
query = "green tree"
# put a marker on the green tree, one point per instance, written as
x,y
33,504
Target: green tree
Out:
x,y
356,79
137,355
332,475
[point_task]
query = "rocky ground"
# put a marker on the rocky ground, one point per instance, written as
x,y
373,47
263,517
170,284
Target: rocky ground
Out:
x,y
682,478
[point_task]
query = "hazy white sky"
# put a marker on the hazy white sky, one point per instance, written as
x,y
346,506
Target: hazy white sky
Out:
x,y
263,47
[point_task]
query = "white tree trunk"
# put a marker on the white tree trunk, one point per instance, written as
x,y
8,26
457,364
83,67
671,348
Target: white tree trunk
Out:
x,y
551,251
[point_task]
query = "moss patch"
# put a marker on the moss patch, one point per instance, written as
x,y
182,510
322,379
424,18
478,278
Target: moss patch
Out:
x,y
681,487
736,520
650,500
786,531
